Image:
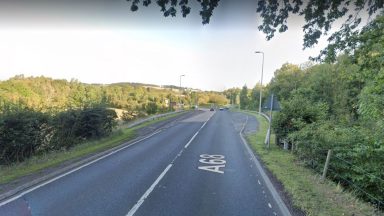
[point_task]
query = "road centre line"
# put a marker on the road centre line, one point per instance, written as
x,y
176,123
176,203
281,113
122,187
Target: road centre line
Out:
x,y
74,170
186,145
146,194
133,210
193,137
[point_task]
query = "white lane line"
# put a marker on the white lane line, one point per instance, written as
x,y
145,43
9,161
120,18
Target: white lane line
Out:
x,y
73,170
258,182
150,189
146,194
269,205
193,137
186,145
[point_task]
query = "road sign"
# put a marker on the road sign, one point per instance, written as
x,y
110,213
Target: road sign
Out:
x,y
275,105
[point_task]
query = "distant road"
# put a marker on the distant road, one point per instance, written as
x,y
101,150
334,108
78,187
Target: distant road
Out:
x,y
198,166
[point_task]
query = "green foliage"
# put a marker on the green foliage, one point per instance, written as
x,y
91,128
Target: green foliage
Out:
x,y
297,112
250,98
169,8
232,95
24,133
319,16
244,101
48,95
308,192
340,107
286,79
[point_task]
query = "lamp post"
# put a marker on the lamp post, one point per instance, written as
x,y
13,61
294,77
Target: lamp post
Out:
x,y
261,80
180,90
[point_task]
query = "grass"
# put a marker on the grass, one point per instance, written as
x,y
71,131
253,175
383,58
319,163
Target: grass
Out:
x,y
52,159
307,192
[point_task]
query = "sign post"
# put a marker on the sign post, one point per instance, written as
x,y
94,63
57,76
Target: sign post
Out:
x,y
273,105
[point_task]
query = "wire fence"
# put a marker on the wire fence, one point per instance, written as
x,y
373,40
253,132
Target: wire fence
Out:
x,y
339,168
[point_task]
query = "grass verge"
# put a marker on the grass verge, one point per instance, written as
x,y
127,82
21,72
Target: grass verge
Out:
x,y
308,193
52,159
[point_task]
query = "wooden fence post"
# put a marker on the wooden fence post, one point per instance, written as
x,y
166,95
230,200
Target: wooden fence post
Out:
x,y
326,165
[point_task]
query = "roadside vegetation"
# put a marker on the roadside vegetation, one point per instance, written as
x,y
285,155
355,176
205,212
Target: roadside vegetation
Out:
x,y
45,94
303,185
41,116
50,159
334,106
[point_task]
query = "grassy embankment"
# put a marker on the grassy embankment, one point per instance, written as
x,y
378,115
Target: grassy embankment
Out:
x,y
52,159
308,193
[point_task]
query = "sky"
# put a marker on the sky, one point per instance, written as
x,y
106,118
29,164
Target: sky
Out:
x,y
102,41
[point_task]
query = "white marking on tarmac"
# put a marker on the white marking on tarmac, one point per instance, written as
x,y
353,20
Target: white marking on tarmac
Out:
x,y
269,205
283,208
150,189
258,182
186,145
74,170
146,194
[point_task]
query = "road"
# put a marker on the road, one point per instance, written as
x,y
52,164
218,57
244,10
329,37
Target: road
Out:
x,y
198,166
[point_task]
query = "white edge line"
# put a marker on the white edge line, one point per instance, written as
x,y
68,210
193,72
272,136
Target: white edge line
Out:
x,y
74,170
146,194
283,208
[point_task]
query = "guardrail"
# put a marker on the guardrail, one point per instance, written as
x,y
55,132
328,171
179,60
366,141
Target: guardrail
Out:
x,y
150,118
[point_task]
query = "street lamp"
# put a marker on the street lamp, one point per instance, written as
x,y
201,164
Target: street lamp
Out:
x,y
180,90
261,80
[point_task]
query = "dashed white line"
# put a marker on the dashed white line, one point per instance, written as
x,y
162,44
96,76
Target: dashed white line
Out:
x,y
186,146
258,181
150,189
146,194
269,205
193,137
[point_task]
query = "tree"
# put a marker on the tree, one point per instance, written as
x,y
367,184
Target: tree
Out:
x,y
285,80
319,17
244,100
169,7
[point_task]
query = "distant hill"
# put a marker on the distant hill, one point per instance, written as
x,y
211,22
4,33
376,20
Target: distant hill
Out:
x,y
47,94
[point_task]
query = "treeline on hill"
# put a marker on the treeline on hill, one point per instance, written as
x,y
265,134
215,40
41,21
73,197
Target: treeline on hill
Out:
x,y
338,106
46,94
39,114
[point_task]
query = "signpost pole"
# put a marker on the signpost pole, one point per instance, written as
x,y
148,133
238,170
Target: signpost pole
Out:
x,y
270,122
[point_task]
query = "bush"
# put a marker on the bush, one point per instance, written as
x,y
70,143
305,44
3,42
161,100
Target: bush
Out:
x,y
24,133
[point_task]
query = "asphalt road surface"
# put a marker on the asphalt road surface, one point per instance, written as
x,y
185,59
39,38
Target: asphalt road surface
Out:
x,y
198,166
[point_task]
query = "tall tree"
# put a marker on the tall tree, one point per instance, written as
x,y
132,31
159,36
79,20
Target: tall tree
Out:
x,y
244,100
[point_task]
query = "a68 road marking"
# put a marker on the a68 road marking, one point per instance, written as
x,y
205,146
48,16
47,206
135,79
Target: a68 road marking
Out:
x,y
215,163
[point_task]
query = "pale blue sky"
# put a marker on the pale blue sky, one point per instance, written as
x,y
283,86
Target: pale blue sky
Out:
x,y
103,42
